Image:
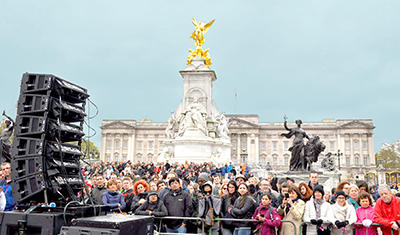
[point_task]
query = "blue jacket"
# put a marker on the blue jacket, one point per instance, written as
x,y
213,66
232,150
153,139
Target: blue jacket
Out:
x,y
7,189
112,199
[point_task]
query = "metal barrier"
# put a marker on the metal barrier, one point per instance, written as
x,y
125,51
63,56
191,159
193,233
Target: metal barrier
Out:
x,y
180,218
253,220
373,224
379,225
215,219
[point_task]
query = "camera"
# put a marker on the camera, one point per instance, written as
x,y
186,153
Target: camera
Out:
x,y
262,215
286,195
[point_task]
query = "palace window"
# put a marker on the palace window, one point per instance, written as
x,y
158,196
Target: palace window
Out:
x,y
286,145
355,144
263,161
234,144
364,144
275,161
365,161
332,145
140,145
347,161
108,144
125,144
117,144
357,161
124,158
286,161
150,144
274,145
347,143
244,145
116,158
263,145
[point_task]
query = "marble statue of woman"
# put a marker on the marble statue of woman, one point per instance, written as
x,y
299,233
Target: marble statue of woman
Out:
x,y
194,117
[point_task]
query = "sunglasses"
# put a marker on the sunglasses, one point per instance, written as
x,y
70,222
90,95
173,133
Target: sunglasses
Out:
x,y
225,188
207,192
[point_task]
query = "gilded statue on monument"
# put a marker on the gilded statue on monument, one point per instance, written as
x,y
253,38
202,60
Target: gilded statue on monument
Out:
x,y
198,37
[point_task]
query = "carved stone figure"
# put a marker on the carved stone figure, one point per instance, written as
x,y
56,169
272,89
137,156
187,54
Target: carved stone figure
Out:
x,y
170,130
5,146
328,163
194,117
302,155
222,126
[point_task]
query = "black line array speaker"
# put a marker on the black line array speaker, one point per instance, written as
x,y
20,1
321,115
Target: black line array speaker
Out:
x,y
50,115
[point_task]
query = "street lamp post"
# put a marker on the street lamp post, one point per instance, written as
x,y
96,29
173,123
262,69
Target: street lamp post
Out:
x,y
339,155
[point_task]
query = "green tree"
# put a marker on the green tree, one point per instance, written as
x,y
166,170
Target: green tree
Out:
x,y
90,151
388,156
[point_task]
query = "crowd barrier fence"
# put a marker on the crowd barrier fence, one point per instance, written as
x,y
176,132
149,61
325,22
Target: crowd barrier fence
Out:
x,y
373,224
215,219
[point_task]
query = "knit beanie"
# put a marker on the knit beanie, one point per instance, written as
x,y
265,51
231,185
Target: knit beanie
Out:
x,y
320,189
340,192
204,176
151,193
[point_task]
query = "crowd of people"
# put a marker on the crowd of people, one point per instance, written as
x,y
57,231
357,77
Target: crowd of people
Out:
x,y
243,203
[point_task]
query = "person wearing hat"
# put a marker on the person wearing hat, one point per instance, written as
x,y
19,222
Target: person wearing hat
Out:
x,y
344,215
318,212
240,179
207,202
153,206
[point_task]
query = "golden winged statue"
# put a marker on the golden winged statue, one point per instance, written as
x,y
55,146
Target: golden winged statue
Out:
x,y
198,37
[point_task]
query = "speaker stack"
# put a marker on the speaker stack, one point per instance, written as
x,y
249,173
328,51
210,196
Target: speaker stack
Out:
x,y
45,165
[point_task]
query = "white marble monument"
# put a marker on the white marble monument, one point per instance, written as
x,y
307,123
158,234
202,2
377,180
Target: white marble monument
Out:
x,y
198,132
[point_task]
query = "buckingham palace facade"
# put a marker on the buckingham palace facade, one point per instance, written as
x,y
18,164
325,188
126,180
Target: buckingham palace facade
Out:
x,y
253,142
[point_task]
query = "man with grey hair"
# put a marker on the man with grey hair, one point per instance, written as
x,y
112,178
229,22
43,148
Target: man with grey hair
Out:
x,y
265,187
387,210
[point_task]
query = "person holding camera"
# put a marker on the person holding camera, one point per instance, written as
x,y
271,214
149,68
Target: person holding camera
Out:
x,y
344,215
318,212
267,215
292,208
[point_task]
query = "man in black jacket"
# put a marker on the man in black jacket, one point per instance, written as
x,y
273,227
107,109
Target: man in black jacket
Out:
x,y
178,203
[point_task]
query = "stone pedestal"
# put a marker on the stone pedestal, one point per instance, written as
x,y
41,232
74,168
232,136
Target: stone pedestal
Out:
x,y
193,146
329,179
196,142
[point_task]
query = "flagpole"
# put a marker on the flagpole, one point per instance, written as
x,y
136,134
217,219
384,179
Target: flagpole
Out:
x,y
235,100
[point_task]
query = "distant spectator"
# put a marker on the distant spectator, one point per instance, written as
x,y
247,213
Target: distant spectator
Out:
x,y
140,188
353,196
6,185
292,208
267,215
318,212
113,198
365,215
243,208
387,209
344,215
98,191
153,206
305,191
178,203
313,179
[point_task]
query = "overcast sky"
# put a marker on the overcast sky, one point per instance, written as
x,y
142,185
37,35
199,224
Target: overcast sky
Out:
x,y
307,59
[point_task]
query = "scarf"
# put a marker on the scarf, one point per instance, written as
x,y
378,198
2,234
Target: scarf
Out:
x,y
317,204
340,211
355,204
288,205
